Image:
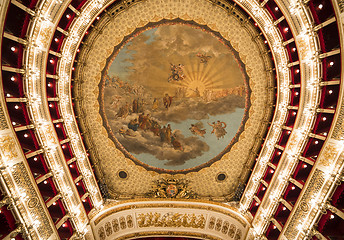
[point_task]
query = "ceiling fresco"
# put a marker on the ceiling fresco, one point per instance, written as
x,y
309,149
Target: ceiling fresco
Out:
x,y
166,94
174,96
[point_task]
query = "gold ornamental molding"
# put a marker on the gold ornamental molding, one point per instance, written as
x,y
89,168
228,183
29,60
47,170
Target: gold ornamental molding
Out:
x,y
172,188
168,233
182,217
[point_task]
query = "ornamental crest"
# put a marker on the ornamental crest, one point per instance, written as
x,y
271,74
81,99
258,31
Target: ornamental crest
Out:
x,y
171,188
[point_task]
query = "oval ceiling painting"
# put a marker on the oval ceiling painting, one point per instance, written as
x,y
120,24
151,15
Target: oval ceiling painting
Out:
x,y
174,96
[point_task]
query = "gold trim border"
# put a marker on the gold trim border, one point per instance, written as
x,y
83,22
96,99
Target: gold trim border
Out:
x,y
167,233
178,204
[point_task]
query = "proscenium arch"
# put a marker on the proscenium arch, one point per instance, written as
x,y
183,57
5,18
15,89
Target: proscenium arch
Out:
x,y
302,39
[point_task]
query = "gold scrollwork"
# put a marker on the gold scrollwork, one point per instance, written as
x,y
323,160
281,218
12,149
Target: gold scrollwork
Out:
x,y
314,186
32,202
238,235
130,221
171,220
23,181
304,206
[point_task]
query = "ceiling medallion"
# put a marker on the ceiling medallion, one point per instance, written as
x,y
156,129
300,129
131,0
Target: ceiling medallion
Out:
x,y
174,96
172,188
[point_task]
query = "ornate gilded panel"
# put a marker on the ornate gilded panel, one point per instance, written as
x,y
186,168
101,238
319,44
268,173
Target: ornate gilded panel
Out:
x,y
3,123
171,220
314,187
8,148
23,182
143,216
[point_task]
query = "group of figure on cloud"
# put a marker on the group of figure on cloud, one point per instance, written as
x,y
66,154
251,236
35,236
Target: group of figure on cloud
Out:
x,y
147,123
138,106
218,129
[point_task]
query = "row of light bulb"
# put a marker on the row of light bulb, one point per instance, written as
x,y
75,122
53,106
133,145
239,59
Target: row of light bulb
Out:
x,y
280,55
65,105
312,87
77,29
29,220
67,111
290,154
37,51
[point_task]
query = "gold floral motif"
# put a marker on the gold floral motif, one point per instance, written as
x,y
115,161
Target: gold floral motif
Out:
x,y
8,147
115,225
108,229
122,223
225,227
101,233
49,133
238,235
329,154
45,34
231,231
303,48
211,223
171,220
130,221
293,142
218,225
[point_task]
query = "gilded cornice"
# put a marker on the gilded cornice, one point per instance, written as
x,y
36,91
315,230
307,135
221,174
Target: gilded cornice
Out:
x,y
182,217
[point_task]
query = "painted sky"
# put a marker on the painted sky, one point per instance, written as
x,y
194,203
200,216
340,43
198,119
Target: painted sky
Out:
x,y
146,60
144,64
